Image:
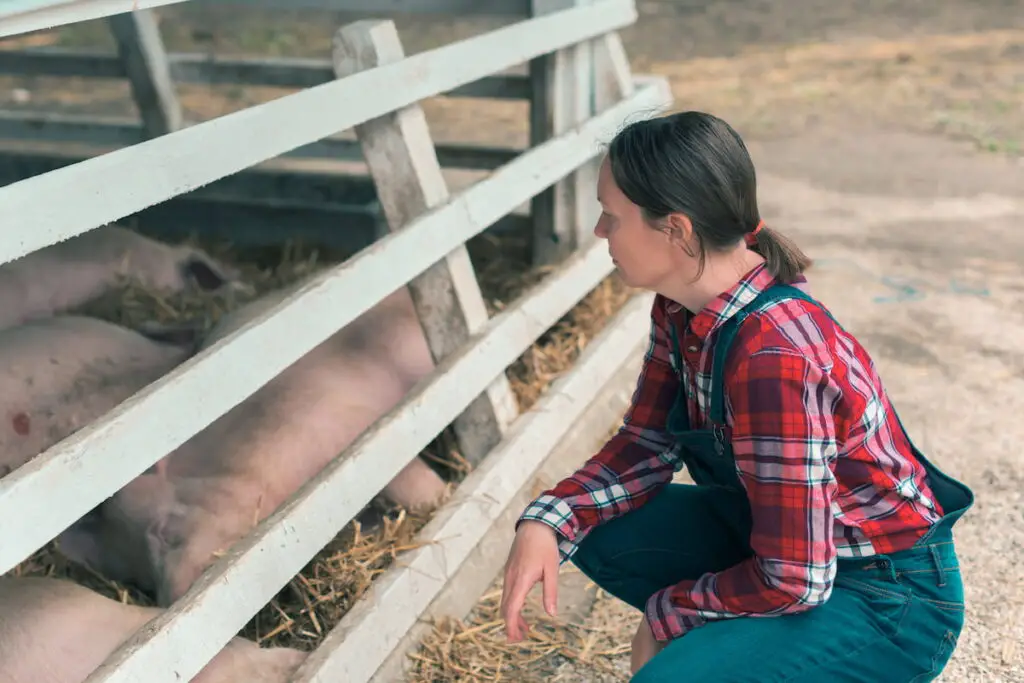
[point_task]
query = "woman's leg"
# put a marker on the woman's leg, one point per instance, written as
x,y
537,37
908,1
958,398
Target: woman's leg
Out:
x,y
681,533
892,624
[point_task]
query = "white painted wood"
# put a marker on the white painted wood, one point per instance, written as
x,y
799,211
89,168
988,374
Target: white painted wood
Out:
x,y
366,635
611,82
613,75
141,49
518,8
178,643
400,155
562,87
156,170
103,457
25,16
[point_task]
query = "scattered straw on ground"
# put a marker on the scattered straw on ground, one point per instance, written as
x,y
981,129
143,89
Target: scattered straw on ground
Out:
x,y
477,650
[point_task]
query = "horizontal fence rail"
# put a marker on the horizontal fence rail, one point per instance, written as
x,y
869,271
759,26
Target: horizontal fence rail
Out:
x,y
368,633
103,457
194,68
241,139
119,133
24,16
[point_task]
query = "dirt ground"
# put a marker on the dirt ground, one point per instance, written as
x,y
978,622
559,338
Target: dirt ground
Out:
x,y
889,138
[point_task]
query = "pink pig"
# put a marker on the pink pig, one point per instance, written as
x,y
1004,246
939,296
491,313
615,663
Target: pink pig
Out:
x,y
165,528
56,631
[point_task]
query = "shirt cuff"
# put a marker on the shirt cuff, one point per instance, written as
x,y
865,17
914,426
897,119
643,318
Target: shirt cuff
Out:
x,y
557,514
665,620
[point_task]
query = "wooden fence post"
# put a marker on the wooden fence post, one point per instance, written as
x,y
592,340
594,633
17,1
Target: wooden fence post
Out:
x,y
562,89
403,163
611,82
145,62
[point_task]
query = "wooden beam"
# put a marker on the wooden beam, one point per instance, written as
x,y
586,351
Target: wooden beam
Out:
x,y
141,50
516,8
358,645
205,69
158,169
400,154
104,456
25,16
561,99
119,132
611,82
260,206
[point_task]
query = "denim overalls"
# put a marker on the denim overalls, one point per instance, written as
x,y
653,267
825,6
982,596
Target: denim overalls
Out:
x,y
890,618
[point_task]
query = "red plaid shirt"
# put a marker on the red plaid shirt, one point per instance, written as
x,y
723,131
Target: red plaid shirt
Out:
x,y
846,484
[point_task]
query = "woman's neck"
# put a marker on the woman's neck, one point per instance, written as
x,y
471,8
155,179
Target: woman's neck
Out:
x,y
721,272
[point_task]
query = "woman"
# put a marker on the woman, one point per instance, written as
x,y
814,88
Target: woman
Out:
x,y
817,542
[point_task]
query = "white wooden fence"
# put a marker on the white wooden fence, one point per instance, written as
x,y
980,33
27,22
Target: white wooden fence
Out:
x,y
376,93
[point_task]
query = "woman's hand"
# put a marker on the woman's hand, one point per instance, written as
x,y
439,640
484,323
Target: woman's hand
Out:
x,y
533,558
644,646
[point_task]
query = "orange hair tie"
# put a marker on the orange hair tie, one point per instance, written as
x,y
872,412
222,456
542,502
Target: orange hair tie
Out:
x,y
751,237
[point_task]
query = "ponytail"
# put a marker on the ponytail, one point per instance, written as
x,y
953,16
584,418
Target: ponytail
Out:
x,y
784,259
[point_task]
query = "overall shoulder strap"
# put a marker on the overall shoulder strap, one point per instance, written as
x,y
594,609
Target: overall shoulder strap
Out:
x,y
726,335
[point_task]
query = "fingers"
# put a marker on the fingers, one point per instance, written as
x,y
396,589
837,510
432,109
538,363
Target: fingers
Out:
x,y
515,625
550,586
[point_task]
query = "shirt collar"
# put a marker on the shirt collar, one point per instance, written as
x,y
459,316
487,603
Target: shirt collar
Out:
x,y
728,303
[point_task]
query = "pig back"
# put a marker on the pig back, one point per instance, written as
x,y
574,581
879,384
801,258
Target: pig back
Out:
x,y
59,374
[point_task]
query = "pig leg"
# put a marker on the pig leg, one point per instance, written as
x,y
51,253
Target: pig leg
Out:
x,y
417,487
243,661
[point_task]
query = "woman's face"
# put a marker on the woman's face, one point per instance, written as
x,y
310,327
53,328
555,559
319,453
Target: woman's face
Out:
x,y
644,255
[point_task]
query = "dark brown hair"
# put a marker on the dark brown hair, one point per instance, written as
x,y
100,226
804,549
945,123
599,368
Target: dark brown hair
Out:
x,y
695,164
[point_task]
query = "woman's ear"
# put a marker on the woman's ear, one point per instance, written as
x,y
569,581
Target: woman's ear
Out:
x,y
680,228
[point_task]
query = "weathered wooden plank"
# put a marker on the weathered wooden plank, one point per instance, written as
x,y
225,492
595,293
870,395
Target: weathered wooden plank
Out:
x,y
476,575
157,169
399,153
177,644
562,88
260,206
358,645
518,8
118,132
141,50
104,456
197,68
612,81
25,16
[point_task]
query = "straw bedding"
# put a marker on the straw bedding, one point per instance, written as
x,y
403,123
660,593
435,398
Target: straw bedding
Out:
x,y
316,599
